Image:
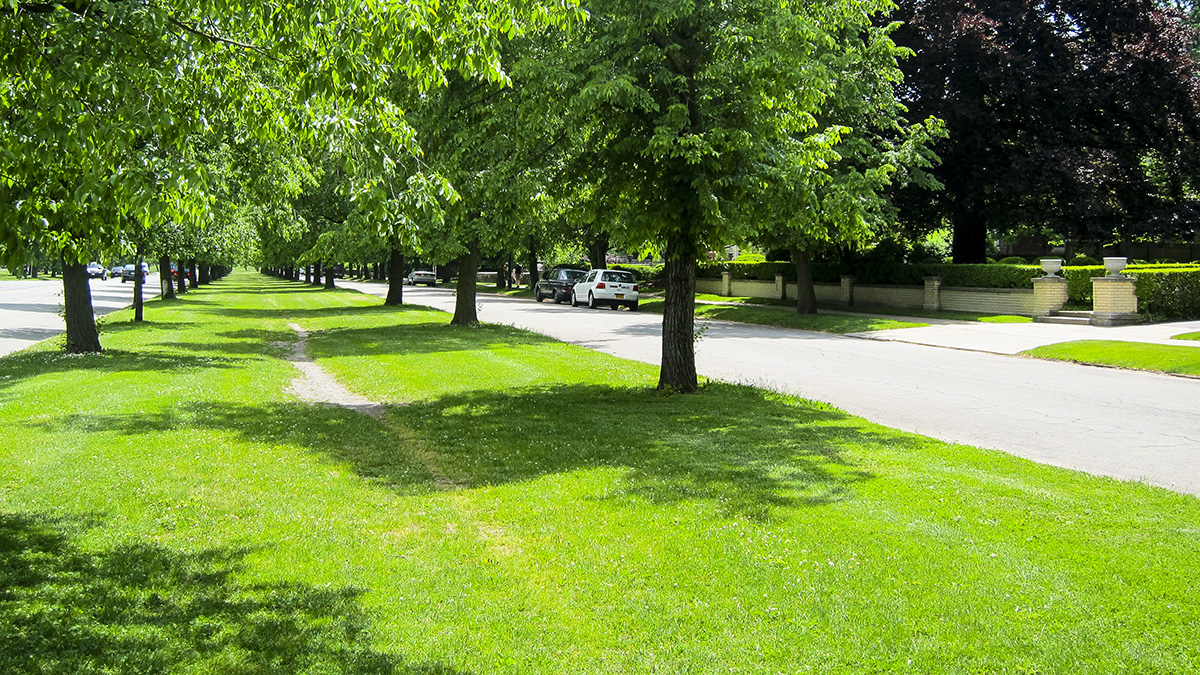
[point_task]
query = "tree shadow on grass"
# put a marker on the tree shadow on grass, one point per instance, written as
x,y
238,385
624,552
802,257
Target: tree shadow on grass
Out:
x,y
350,312
15,368
422,338
144,608
747,451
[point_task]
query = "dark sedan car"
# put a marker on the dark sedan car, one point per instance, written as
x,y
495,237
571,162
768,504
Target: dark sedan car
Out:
x,y
556,283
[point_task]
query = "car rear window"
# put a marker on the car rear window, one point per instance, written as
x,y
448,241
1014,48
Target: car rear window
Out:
x,y
572,275
619,277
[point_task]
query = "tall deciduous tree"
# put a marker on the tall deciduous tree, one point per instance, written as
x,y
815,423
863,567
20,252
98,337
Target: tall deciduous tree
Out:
x,y
1078,115
86,84
846,199
686,114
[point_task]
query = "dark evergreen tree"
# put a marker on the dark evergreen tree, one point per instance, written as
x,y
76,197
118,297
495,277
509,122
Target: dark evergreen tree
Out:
x,y
1081,116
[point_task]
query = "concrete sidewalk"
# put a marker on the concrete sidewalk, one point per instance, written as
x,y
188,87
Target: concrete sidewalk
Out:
x,y
1013,338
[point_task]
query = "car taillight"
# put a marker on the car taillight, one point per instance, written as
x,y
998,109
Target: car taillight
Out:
x,y
600,285
635,288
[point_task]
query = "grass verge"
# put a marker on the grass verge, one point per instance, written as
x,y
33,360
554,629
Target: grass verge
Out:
x,y
1179,360
491,289
785,318
1186,336
526,506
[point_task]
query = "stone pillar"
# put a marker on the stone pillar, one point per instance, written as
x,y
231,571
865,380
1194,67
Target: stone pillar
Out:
x,y
1114,301
933,294
1049,295
779,287
726,284
847,297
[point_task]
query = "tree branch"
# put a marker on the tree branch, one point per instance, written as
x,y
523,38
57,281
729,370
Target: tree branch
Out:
x,y
217,38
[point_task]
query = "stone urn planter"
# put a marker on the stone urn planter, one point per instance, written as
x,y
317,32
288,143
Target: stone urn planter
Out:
x,y
1115,265
1051,266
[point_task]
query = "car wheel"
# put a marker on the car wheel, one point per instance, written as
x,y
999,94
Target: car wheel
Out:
x,y
633,306
123,279
574,300
557,298
613,305
591,301
537,295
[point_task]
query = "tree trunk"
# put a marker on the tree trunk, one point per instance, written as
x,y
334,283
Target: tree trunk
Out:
x,y
598,251
316,274
194,281
678,371
395,294
166,285
82,336
205,277
532,263
806,295
329,277
181,277
464,301
139,283
308,274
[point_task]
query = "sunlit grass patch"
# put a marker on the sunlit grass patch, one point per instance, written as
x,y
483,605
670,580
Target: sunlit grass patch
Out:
x,y
785,318
1180,360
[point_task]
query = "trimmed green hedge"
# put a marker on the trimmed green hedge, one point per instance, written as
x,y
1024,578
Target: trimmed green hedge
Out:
x,y
1169,294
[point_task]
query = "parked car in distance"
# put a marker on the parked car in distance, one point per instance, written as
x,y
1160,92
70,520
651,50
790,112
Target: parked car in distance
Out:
x,y
96,271
115,271
606,287
129,272
187,272
556,283
421,277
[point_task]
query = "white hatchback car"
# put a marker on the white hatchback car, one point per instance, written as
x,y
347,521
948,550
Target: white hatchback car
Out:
x,y
422,277
606,287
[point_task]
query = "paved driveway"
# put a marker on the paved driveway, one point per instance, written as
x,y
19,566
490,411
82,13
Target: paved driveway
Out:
x,y
30,308
1130,425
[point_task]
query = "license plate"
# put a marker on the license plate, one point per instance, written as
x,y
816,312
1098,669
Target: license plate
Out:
x,y
620,296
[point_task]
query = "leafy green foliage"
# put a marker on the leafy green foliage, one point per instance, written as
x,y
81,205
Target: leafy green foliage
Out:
x,y
1169,294
1046,128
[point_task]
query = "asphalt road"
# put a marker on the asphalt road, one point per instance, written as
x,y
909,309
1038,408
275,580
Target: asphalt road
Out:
x,y
30,309
1125,424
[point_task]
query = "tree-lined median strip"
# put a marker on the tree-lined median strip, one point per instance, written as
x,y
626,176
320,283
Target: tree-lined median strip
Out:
x,y
593,525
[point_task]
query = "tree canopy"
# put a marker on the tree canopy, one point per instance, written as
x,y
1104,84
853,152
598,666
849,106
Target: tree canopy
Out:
x,y
689,117
1079,116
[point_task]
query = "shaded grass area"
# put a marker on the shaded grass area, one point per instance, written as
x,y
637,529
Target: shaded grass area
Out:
x,y
787,318
1179,360
523,506
523,292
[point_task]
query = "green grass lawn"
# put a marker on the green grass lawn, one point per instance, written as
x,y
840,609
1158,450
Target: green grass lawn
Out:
x,y
869,310
522,292
1137,355
1186,336
525,506
783,317
927,314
